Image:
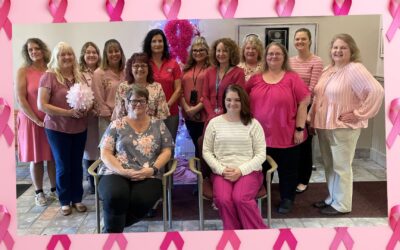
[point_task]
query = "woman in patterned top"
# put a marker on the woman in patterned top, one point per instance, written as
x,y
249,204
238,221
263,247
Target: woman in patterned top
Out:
x,y
252,52
134,149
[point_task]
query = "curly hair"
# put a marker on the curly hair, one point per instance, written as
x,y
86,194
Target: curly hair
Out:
x,y
197,41
43,47
231,46
354,50
147,43
82,63
142,58
104,62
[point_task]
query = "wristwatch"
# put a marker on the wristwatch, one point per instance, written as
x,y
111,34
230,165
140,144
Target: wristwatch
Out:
x,y
155,170
299,129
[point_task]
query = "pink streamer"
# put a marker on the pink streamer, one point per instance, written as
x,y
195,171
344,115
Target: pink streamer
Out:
x,y
285,235
174,237
394,222
58,11
395,13
4,127
284,7
227,8
115,11
5,236
229,236
63,238
342,236
119,238
341,10
4,21
394,116
171,8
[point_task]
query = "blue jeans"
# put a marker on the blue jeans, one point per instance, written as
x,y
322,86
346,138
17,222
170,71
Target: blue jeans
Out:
x,y
67,151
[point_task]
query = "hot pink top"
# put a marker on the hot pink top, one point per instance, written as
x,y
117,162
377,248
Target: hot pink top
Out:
x,y
309,71
349,89
105,85
210,98
58,93
275,107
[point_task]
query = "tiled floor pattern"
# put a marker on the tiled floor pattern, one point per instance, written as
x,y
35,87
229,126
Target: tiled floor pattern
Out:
x,y
49,220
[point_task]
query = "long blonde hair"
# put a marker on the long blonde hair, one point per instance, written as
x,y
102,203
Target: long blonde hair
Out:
x,y
54,64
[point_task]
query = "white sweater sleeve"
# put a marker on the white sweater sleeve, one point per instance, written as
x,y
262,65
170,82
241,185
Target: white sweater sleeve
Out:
x,y
208,149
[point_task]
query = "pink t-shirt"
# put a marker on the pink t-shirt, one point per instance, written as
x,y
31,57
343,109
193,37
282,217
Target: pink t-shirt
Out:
x,y
275,107
166,76
58,93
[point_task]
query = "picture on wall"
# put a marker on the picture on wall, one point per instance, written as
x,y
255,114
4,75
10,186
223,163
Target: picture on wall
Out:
x,y
279,35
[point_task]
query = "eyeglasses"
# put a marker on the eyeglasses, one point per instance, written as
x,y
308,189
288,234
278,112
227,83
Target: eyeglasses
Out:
x,y
135,102
137,66
277,54
198,50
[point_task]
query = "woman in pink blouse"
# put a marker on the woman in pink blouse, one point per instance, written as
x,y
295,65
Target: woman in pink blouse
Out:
x,y
106,80
346,96
279,100
309,67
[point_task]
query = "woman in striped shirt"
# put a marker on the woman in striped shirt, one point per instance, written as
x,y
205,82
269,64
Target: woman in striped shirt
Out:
x,y
346,96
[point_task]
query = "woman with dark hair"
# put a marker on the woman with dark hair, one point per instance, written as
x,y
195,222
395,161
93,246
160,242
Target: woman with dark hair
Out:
x,y
106,80
89,61
279,100
32,142
167,72
138,71
234,148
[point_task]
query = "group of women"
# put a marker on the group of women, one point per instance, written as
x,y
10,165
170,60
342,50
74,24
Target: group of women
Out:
x,y
246,103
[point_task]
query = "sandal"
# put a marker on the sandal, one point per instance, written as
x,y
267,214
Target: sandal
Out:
x,y
80,207
66,210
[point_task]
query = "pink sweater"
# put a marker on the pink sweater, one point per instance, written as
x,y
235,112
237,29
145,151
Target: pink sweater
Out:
x,y
309,71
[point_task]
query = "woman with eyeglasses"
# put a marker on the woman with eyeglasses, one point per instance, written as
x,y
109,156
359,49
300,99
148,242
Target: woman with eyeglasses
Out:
x,y
134,149
251,60
279,99
139,72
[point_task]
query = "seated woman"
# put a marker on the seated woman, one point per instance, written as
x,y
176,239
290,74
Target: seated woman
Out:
x,y
234,148
134,148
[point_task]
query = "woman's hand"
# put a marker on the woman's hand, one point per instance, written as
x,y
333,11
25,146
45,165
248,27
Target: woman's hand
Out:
x,y
190,111
231,174
348,117
298,137
75,113
139,175
39,123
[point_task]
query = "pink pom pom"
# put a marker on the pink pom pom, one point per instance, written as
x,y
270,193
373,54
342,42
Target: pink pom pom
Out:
x,y
80,97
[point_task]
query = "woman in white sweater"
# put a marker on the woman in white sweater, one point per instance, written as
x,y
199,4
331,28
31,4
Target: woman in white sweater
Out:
x,y
234,148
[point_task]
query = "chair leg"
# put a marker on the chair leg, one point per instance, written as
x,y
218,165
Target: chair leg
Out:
x,y
96,190
169,203
259,203
164,203
201,206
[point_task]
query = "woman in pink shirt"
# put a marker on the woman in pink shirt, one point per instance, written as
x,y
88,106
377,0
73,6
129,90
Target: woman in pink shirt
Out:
x,y
279,100
346,96
309,67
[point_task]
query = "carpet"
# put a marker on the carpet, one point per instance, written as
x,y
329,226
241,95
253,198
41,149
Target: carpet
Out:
x,y
21,188
369,200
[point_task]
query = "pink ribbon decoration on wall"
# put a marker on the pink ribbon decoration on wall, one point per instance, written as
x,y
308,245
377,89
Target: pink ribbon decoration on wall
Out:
x,y
5,129
171,8
62,238
229,236
5,236
284,7
57,9
394,116
114,9
342,236
394,10
285,234
119,238
394,222
227,8
174,237
342,10
5,23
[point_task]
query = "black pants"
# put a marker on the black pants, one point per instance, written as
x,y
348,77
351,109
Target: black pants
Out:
x,y
288,164
126,202
195,130
305,163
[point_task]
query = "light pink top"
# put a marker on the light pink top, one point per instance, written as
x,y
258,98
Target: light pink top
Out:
x,y
105,84
309,70
349,89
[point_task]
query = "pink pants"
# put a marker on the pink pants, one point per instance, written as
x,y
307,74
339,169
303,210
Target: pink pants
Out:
x,y
236,201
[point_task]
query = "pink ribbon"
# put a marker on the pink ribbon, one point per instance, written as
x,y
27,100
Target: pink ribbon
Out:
x,y
119,238
115,12
229,236
58,10
342,10
227,8
174,237
394,10
63,238
284,7
342,236
285,235
4,21
394,222
171,8
394,116
5,236
4,128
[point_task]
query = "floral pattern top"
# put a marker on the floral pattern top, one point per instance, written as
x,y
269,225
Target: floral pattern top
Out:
x,y
136,150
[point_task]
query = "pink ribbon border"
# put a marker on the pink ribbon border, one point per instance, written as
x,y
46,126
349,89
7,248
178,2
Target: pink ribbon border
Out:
x,y
395,13
58,12
115,12
5,235
342,236
285,234
230,9
284,9
171,11
229,236
5,22
174,237
395,118
63,238
395,225
5,129
341,11
119,238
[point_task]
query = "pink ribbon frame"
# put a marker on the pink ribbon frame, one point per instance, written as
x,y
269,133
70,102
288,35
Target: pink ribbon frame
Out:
x,y
5,23
114,12
58,11
5,235
341,10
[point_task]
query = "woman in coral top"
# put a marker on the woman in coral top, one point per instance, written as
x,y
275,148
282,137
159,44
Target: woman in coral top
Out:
x,y
346,96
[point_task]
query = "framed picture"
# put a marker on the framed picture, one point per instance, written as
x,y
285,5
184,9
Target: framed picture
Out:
x,y
278,35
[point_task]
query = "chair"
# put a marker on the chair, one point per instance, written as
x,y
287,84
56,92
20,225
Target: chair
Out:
x,y
166,199
206,190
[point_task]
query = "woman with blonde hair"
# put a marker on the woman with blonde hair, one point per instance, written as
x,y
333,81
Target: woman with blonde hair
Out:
x,y
251,60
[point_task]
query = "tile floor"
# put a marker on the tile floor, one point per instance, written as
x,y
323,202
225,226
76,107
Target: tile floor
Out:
x,y
49,220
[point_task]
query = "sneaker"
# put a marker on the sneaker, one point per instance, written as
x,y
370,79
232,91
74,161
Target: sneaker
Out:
x,y
40,199
52,196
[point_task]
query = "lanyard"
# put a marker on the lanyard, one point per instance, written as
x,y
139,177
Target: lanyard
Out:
x,y
194,76
217,83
